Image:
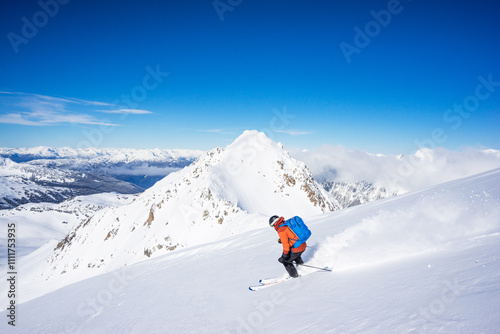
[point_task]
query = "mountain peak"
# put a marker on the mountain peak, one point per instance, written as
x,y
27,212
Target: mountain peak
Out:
x,y
253,136
253,141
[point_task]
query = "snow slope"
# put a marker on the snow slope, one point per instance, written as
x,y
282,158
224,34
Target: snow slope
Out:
x,y
423,262
38,223
225,192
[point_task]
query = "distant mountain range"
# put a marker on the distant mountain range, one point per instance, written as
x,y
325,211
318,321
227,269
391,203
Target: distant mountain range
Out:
x,y
140,167
22,183
99,155
350,194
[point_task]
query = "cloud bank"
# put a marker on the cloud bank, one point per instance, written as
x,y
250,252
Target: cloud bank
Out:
x,y
401,173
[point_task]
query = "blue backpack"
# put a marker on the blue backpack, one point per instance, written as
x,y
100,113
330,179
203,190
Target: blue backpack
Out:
x,y
297,225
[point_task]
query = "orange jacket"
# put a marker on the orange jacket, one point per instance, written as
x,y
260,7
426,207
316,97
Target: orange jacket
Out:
x,y
288,238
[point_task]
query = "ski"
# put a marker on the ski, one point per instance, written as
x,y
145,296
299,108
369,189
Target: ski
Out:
x,y
269,282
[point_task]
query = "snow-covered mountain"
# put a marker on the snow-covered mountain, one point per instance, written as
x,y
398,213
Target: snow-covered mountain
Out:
x,y
41,222
422,262
22,183
99,155
140,167
354,193
225,192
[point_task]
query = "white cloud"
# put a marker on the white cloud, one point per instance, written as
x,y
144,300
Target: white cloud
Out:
x,y
126,111
17,119
402,173
294,132
211,130
38,119
58,99
42,110
94,103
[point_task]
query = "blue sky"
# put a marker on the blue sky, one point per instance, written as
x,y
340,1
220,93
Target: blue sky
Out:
x,y
380,76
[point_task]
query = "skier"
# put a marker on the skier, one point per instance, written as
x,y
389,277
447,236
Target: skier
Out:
x,y
288,238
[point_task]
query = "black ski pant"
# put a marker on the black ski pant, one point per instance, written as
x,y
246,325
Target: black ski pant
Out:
x,y
290,268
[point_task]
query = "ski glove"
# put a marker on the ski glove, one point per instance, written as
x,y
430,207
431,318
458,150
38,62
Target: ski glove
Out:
x,y
279,241
284,258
